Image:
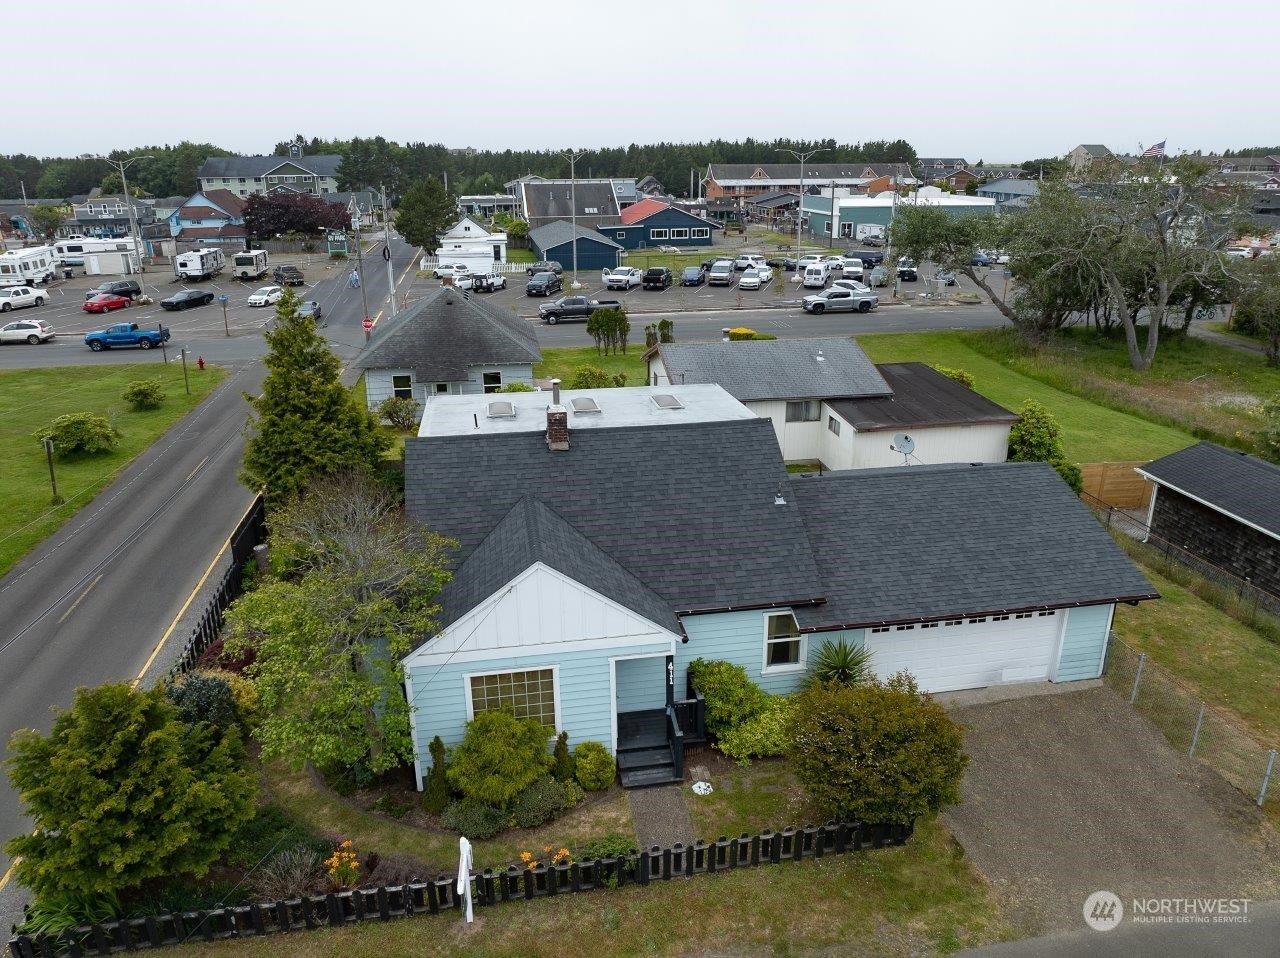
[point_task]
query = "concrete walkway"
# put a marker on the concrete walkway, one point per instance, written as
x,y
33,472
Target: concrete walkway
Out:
x,y
661,816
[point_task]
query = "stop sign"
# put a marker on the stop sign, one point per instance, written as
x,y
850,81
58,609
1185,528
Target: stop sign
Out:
x,y
367,324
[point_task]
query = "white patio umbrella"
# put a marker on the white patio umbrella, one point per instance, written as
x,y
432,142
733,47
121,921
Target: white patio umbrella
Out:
x,y
464,873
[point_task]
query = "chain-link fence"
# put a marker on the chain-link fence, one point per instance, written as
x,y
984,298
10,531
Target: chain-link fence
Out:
x,y
1194,726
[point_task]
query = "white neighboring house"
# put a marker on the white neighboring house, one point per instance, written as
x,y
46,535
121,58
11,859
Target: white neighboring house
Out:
x,y
469,242
830,404
448,343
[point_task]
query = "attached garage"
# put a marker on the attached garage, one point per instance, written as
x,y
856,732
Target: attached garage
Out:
x,y
970,653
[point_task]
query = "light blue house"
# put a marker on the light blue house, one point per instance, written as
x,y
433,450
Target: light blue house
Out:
x,y
607,541
213,216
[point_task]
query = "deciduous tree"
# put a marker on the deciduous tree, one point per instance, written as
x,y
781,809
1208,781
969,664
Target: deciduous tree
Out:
x,y
267,214
425,211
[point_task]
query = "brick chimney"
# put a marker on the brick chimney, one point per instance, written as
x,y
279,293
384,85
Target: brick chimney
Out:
x,y
557,428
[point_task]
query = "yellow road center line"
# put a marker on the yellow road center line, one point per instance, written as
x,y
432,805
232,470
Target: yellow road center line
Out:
x,y
80,598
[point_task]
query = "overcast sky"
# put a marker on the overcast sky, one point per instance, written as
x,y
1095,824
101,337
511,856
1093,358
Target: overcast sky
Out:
x,y
995,81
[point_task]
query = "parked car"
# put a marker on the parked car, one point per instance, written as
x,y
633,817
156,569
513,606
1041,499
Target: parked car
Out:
x,y
1002,259
624,277
879,276
186,298
451,270
907,271
125,334
15,297
837,299
105,303
721,273
287,276
834,262
574,307
851,284
693,276
127,288
266,296
657,277
946,277
807,260
485,282
750,279
747,261
33,331
783,263
851,266
980,259
869,257
543,284
545,266
310,309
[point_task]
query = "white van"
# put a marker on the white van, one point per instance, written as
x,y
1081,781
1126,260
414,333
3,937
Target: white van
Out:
x,y
816,275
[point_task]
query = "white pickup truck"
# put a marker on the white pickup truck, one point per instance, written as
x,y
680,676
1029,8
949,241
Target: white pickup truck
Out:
x,y
624,277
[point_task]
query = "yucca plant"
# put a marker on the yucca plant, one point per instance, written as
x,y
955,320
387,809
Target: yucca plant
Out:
x,y
841,662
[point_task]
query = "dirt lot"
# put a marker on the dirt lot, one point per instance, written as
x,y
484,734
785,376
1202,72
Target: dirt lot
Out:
x,y
1075,793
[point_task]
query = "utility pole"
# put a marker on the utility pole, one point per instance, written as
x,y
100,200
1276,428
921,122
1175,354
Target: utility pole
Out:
x,y
802,158
386,251
134,234
185,378
364,302
573,158
53,479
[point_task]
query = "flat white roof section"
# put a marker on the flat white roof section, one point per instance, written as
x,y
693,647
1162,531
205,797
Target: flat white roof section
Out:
x,y
625,406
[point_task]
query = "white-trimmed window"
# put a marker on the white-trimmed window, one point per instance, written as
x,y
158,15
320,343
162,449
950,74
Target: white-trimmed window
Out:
x,y
951,622
804,410
783,643
876,630
1047,612
976,621
402,387
528,694
928,625
1023,615
904,628
658,234
492,382
999,618
442,389
833,425
700,232
680,233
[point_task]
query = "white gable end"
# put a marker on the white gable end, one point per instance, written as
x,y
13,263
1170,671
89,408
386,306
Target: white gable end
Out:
x,y
538,612
465,228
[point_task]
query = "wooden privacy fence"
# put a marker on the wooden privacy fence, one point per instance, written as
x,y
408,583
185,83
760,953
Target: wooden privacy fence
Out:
x,y
488,887
1116,483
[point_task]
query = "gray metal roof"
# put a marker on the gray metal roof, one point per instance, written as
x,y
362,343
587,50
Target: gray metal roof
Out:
x,y
688,510
443,334
1244,487
777,369
533,532
561,232
1020,187
922,396
920,542
322,164
790,171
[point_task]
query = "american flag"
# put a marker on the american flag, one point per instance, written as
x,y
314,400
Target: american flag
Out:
x,y
1155,149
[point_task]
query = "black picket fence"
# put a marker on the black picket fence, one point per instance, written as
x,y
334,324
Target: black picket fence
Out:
x,y
486,888
250,531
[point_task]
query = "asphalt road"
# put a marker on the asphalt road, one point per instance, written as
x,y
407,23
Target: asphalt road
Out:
x,y
93,602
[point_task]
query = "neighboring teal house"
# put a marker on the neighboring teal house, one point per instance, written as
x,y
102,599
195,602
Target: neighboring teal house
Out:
x,y
211,216
851,211
651,223
610,537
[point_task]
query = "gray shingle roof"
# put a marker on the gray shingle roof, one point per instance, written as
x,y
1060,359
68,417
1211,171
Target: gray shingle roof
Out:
x,y
920,542
322,164
533,532
790,171
562,231
688,510
922,396
443,334
1243,486
777,369
552,200
1095,150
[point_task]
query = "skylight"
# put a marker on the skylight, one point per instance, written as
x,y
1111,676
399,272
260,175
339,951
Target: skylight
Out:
x,y
584,404
667,401
501,409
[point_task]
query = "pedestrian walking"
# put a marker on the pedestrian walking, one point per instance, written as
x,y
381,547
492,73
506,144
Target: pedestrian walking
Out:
x,y
354,279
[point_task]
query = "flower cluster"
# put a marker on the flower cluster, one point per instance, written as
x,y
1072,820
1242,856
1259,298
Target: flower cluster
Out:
x,y
561,857
343,865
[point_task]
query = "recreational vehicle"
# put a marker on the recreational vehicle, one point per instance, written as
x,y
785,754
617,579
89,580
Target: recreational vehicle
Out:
x,y
200,264
28,267
251,264
73,250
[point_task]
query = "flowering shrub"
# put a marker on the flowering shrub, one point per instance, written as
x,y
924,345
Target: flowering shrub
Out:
x,y
552,857
343,866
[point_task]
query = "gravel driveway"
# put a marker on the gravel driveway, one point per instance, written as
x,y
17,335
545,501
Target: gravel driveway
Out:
x,y
1074,793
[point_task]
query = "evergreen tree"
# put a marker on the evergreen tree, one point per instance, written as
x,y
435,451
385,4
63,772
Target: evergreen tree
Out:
x,y
425,211
122,791
305,423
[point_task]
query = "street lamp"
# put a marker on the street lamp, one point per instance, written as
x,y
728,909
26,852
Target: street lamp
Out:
x,y
121,166
573,158
803,158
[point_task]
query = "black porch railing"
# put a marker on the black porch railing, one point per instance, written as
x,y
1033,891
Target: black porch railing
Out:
x,y
675,738
691,716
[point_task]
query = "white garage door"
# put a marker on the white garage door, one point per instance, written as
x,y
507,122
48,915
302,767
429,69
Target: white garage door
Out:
x,y
971,654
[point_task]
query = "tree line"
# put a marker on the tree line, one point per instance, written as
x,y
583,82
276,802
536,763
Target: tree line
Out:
x,y
170,171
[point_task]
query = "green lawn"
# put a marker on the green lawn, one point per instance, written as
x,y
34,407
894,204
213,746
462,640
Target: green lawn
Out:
x,y
520,255
561,361
32,398
1091,432
919,899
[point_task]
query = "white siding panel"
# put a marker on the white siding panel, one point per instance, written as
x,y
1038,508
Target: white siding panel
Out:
x,y
799,441
969,656
988,442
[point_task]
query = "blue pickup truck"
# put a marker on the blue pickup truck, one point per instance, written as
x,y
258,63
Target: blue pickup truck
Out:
x,y
125,334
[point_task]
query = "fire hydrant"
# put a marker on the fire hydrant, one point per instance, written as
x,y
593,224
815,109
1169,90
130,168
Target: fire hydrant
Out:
x,y
200,363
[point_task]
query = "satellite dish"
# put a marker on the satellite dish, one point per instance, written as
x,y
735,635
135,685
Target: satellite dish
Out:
x,y
903,443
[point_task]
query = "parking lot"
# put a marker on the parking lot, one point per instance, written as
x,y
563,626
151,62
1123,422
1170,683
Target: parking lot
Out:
x,y
785,294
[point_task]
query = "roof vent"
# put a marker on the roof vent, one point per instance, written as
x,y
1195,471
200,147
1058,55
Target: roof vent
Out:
x,y
583,405
666,401
778,498
820,358
501,409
